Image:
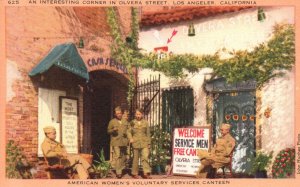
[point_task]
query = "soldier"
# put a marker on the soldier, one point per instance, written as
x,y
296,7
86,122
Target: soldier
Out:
x,y
219,155
125,118
139,137
56,153
118,140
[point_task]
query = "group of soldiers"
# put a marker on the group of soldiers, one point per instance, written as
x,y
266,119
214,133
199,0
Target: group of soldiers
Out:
x,y
137,135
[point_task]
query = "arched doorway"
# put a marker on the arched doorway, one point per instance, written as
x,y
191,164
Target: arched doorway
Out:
x,y
106,90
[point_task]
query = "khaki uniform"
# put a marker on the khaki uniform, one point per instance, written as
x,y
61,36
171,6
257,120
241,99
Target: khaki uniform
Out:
x,y
139,131
119,143
54,151
218,157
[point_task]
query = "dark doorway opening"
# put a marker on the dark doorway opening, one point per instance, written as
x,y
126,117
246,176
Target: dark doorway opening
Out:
x,y
101,114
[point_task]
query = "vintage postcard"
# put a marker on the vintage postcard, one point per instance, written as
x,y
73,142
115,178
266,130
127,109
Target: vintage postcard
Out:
x,y
149,93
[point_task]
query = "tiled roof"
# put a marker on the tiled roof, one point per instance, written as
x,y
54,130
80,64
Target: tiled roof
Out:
x,y
185,14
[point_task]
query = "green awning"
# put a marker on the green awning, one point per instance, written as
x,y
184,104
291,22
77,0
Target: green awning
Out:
x,y
64,56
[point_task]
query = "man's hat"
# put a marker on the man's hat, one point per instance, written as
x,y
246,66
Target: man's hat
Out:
x,y
49,129
225,126
139,110
118,108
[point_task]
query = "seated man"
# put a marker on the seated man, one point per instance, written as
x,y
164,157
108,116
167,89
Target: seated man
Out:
x,y
219,155
55,153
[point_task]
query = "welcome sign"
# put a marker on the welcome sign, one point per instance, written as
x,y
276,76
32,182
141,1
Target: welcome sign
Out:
x,y
186,142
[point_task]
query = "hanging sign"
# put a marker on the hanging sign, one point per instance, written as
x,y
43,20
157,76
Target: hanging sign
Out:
x,y
186,142
162,52
69,123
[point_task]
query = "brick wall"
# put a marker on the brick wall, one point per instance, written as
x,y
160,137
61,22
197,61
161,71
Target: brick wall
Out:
x,y
30,34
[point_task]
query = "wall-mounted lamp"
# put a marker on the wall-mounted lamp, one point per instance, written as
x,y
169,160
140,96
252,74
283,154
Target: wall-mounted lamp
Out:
x,y
81,44
191,30
128,39
261,16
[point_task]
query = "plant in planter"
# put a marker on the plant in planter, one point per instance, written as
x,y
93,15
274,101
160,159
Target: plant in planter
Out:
x,y
101,166
17,165
160,149
260,164
284,164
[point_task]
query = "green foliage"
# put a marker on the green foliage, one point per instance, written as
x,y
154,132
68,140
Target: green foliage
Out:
x,y
261,162
100,165
122,51
266,61
16,163
284,164
160,147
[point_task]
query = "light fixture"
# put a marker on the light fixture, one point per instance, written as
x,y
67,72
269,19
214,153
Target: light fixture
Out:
x,y
81,44
191,30
261,16
128,39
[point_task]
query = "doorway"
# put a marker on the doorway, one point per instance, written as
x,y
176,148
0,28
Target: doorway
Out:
x,y
100,116
238,109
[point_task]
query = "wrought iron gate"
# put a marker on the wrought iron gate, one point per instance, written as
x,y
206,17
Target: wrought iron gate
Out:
x,y
147,98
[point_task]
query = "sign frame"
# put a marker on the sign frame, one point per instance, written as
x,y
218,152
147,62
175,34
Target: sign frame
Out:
x,y
191,127
61,98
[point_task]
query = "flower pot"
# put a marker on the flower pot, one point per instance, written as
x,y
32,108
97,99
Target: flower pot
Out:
x,y
87,157
158,169
95,175
261,174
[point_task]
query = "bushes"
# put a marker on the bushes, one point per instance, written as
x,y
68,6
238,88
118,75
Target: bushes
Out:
x,y
17,165
284,163
260,163
160,147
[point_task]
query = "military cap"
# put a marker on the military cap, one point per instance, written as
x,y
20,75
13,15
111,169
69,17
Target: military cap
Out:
x,y
139,110
49,129
118,108
225,126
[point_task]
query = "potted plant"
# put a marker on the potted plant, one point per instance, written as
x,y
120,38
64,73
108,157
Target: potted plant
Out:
x,y
284,164
101,166
260,164
160,150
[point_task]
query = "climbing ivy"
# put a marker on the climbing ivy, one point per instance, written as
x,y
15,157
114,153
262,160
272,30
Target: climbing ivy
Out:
x,y
124,52
266,61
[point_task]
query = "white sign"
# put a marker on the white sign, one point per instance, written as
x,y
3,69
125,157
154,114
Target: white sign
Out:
x,y
186,142
48,114
69,123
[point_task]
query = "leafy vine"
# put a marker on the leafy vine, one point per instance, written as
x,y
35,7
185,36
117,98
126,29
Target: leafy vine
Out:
x,y
264,62
125,52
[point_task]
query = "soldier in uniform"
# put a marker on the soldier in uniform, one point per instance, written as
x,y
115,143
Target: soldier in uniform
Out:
x,y
125,118
56,153
140,138
218,156
118,140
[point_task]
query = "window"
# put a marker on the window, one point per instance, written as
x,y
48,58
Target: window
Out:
x,y
177,108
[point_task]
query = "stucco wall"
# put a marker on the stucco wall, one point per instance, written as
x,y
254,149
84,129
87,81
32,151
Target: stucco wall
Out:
x,y
278,129
233,31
